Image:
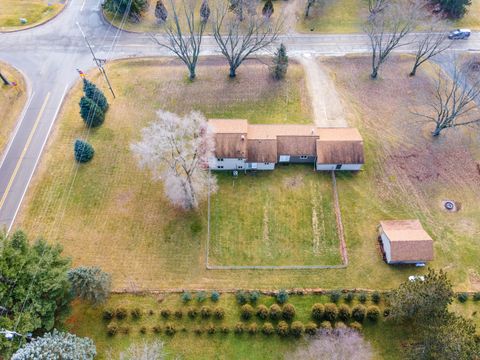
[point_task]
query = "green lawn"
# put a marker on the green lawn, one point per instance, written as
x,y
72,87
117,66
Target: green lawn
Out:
x,y
252,222
472,18
35,11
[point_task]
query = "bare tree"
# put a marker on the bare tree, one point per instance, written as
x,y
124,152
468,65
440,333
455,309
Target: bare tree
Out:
x,y
243,8
377,6
387,28
429,44
144,351
176,149
237,41
337,344
308,7
455,96
184,43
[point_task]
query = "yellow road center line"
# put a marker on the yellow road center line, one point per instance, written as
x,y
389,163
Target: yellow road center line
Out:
x,y
24,151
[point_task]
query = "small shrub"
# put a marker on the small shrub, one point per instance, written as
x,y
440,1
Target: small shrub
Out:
x,y
170,329
297,328
373,313
344,312
247,311
476,296
241,297
205,312
362,297
225,329
282,329
124,329
356,325
274,312
325,325
335,296
186,297
192,313
386,312
317,311
252,328
282,297
156,329
239,328
211,329
462,297
83,151
178,313
183,329
358,313
201,296
331,312
121,313
136,313
215,296
165,313
311,328
349,296
288,312
268,328
219,313
340,325
254,296
198,330
143,330
108,314
151,312
376,297
112,329
262,311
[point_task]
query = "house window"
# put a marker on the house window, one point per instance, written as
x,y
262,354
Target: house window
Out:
x,y
338,167
239,167
219,159
266,163
240,159
303,157
219,167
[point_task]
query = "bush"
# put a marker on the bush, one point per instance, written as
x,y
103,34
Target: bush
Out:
x,y
340,325
476,296
325,325
241,297
288,312
136,313
88,283
462,297
356,325
170,329
297,328
344,312
91,113
151,312
282,329
201,296
254,296
121,313
156,329
143,330
192,313
317,311
108,314
186,297
262,311
211,329
239,328
268,328
83,151
335,296
165,313
205,312
247,311
215,296
198,330
252,328
331,312
358,313
282,297
178,314
386,312
373,313
225,329
274,312
311,328
112,329
362,297
124,329
349,296
95,94
219,313
376,297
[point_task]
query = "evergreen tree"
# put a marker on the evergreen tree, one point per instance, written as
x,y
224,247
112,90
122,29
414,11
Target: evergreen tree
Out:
x,y
92,114
267,10
454,8
95,94
161,12
57,346
83,151
90,283
135,8
280,63
204,11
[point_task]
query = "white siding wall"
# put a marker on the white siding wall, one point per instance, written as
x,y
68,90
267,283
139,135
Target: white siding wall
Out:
x,y
346,167
386,247
227,163
264,166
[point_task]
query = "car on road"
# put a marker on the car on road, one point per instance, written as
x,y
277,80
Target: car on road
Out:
x,y
462,34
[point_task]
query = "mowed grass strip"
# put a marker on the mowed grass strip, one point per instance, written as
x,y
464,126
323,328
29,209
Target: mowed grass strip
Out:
x,y
274,218
12,101
34,11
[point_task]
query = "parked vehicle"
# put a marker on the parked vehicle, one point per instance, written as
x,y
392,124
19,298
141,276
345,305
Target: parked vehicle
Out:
x,y
461,34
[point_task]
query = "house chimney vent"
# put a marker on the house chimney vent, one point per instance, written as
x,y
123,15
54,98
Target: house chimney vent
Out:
x,y
243,137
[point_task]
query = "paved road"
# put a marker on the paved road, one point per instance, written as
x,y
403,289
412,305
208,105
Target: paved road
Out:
x,y
50,54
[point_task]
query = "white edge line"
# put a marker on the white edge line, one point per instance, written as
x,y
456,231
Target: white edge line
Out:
x,y
83,5
38,158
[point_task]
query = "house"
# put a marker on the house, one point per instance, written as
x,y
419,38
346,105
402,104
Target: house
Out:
x,y
243,146
405,242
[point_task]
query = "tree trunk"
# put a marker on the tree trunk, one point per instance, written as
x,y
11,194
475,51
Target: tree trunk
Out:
x,y
232,72
307,10
4,79
374,73
437,131
414,70
192,73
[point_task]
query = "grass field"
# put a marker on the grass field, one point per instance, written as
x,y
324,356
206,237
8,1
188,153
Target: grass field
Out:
x,y
12,101
35,11
472,18
252,222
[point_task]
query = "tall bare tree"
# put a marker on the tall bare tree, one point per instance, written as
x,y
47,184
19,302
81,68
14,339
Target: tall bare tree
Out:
x,y
184,40
387,28
377,6
177,149
456,95
238,40
243,8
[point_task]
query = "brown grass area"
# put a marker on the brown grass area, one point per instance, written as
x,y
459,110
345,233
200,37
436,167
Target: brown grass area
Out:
x,y
34,11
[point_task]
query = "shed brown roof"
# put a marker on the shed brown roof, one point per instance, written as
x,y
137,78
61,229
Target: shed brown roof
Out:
x,y
229,126
262,151
296,145
408,240
230,146
340,152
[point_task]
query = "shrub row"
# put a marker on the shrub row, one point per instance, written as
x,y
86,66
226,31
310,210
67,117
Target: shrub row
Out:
x,y
205,312
332,312
200,296
275,312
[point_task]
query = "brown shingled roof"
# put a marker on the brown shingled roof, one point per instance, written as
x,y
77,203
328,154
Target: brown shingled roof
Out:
x,y
262,151
340,152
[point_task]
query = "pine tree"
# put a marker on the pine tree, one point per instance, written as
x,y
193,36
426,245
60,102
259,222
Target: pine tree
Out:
x,y
161,12
92,114
267,10
90,283
204,11
83,151
280,63
92,92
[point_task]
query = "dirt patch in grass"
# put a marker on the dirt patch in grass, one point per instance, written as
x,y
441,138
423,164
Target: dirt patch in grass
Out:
x,y
34,11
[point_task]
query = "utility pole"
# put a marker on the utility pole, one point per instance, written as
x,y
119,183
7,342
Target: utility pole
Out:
x,y
4,79
98,62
